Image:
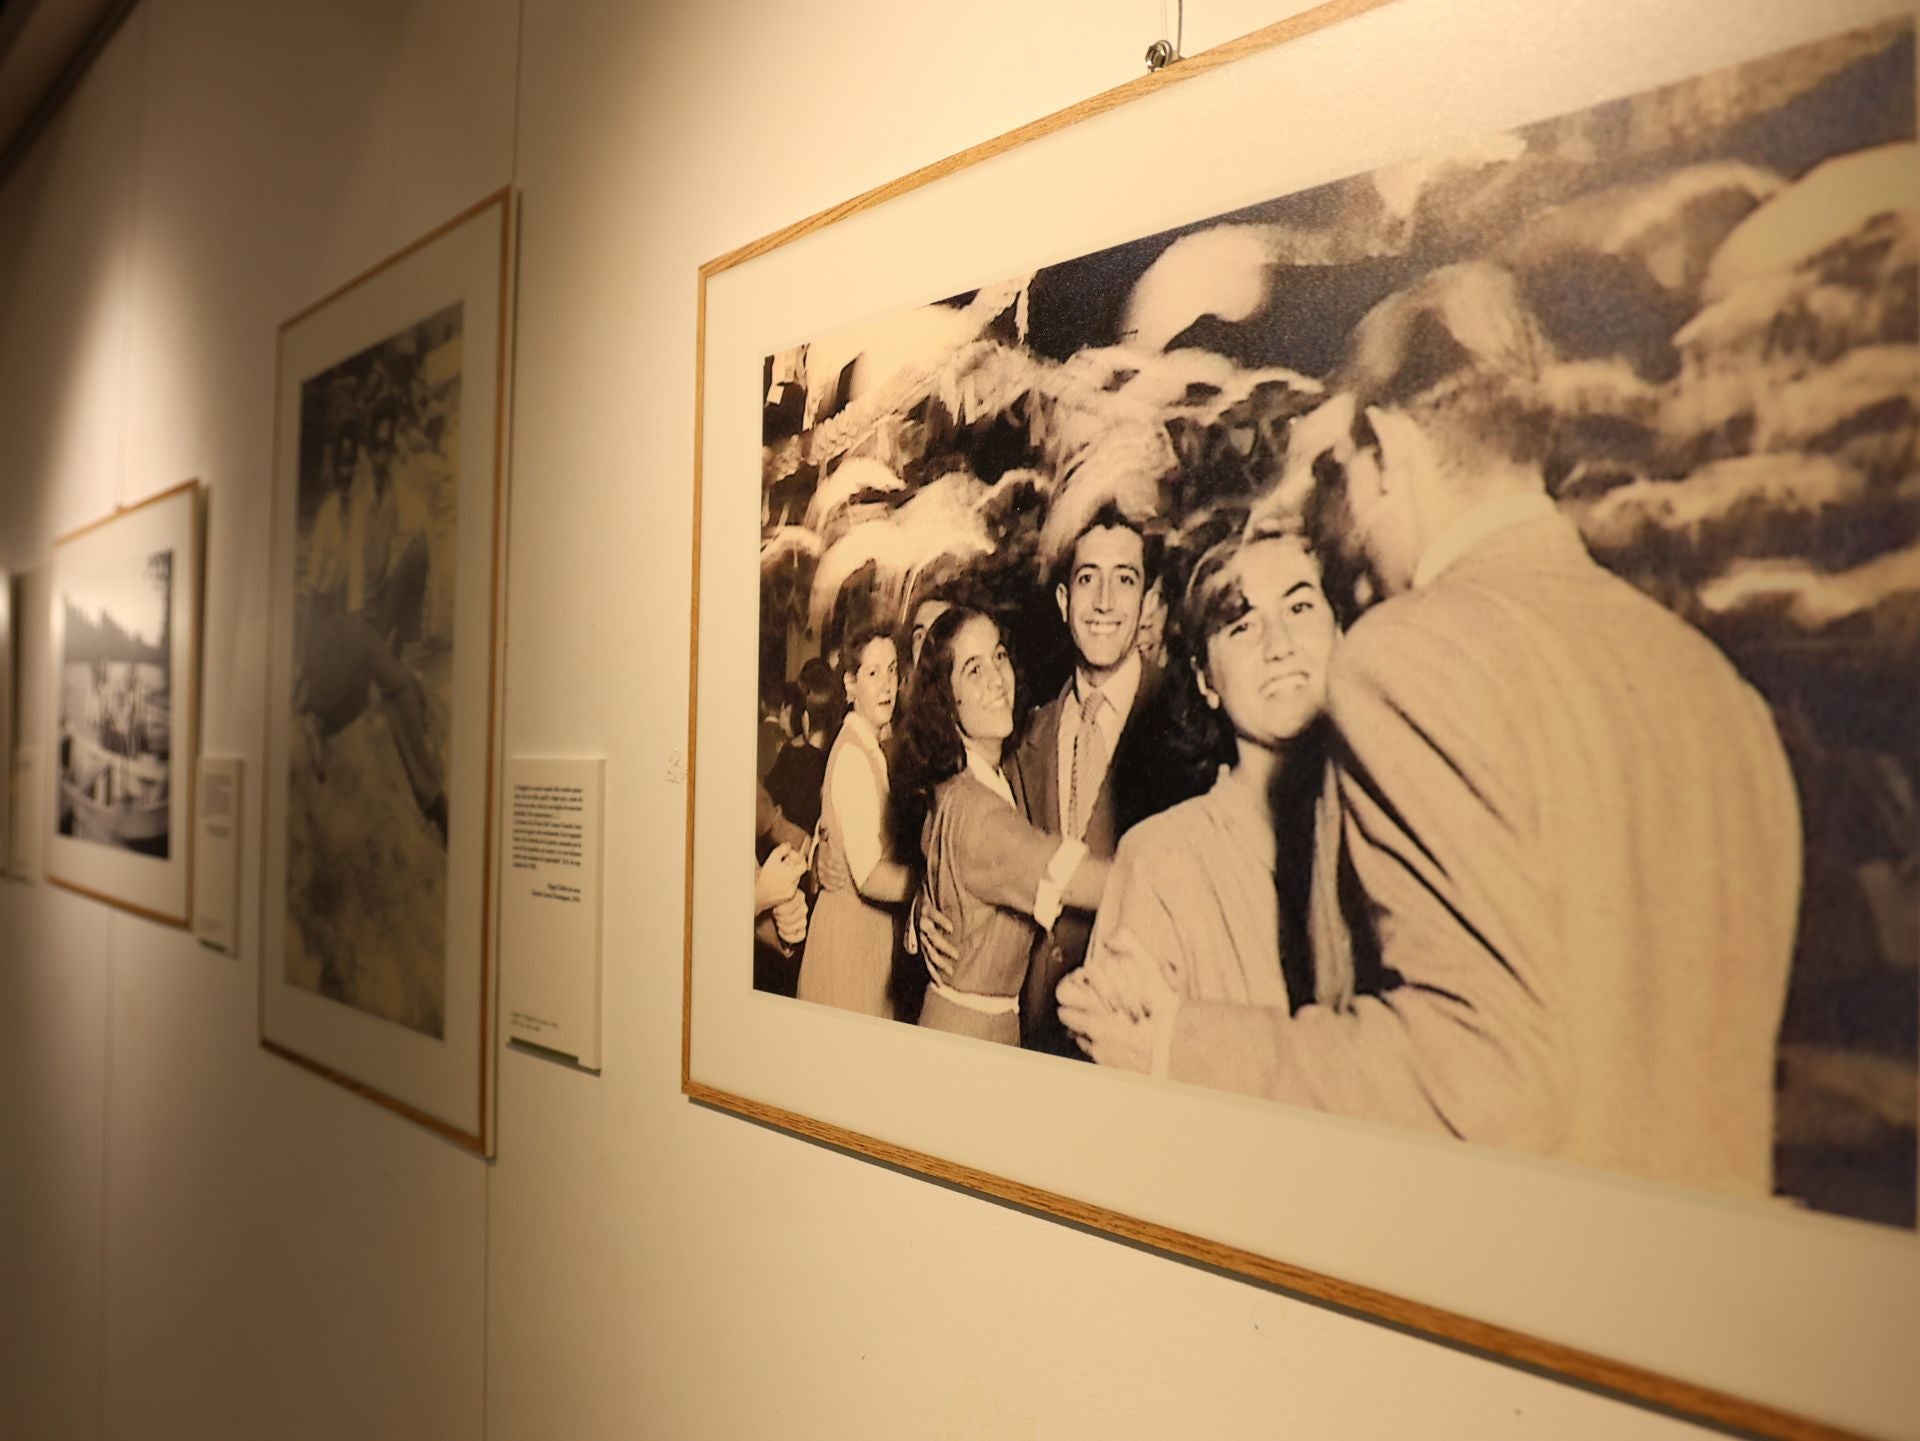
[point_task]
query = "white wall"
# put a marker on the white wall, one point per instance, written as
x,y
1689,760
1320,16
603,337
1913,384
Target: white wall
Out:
x,y
198,1240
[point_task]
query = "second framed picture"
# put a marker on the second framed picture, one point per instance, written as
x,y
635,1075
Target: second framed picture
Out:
x,y
381,716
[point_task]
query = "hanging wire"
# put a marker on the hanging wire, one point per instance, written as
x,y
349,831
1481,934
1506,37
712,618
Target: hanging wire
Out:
x,y
1162,52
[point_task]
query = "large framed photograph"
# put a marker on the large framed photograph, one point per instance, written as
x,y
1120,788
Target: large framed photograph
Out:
x,y
125,632
382,704
1322,665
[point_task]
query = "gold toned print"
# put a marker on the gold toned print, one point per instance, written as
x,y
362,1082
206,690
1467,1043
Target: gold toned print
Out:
x,y
1435,648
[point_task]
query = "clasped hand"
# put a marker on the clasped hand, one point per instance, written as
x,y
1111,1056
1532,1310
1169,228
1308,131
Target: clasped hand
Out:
x,y
1115,1003
776,888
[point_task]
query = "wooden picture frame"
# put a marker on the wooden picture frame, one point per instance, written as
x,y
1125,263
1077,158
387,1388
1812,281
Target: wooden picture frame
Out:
x,y
383,726
123,713
1749,1313
7,722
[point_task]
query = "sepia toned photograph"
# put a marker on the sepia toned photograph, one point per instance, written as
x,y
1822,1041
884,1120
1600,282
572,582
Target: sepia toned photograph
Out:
x,y
379,455
115,744
1435,649
122,706
381,740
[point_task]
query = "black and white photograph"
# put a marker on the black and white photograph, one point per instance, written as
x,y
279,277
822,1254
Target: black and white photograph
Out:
x,y
124,640
1436,648
381,661
379,454
115,746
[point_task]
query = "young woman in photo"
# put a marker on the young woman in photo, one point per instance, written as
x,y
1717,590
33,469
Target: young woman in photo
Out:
x,y
990,874
855,926
1215,898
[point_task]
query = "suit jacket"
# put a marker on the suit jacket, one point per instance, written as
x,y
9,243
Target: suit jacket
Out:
x,y
1034,773
1579,845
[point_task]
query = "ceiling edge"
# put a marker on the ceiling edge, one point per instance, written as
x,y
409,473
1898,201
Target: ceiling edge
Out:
x,y
62,86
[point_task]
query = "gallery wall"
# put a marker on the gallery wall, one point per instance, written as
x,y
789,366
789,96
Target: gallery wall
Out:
x,y
199,1240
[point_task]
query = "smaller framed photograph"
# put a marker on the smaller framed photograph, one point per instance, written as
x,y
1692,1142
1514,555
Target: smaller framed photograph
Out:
x,y
382,736
125,632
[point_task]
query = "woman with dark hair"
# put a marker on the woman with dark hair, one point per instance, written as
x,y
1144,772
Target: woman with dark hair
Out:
x,y
989,873
1212,898
851,941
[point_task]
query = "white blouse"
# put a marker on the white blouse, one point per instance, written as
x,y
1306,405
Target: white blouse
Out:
x,y
857,796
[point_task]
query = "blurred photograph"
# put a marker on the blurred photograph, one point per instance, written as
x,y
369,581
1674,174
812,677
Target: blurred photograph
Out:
x,y
379,454
1436,649
116,706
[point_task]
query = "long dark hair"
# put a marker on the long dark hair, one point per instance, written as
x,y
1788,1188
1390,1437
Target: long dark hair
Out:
x,y
930,747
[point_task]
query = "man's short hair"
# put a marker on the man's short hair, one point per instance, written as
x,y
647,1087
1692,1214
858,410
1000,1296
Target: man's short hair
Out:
x,y
1111,516
819,693
1460,350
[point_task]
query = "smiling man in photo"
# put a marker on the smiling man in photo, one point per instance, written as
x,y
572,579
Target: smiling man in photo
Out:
x,y
1074,752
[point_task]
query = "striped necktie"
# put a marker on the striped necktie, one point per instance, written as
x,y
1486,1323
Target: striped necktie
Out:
x,y
1089,760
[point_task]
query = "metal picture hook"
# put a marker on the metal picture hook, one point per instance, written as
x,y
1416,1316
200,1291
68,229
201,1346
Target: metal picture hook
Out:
x,y
1164,52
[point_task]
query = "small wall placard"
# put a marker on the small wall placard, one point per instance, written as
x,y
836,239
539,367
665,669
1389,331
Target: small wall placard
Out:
x,y
550,906
216,877
23,850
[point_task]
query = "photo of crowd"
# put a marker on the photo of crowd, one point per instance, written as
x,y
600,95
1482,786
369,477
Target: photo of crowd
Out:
x,y
1437,648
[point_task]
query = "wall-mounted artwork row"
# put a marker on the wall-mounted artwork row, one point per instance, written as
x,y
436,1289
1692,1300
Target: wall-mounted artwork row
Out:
x,y
1348,711
125,642
382,734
